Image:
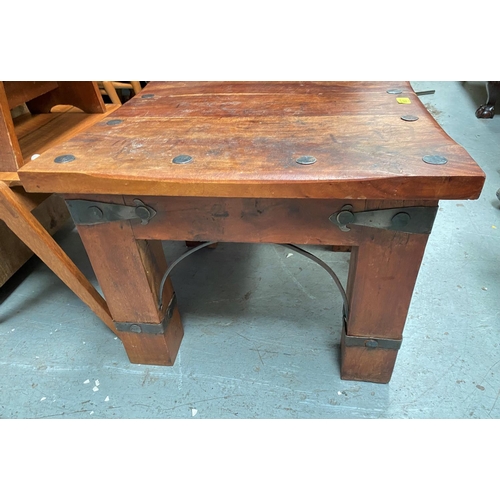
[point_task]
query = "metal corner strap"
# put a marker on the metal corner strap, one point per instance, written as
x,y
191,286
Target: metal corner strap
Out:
x,y
370,342
413,220
151,328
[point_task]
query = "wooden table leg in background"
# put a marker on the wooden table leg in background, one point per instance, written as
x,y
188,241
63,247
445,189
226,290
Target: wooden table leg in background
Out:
x,y
129,272
382,275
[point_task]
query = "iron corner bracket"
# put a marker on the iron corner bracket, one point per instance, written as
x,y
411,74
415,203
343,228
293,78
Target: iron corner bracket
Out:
x,y
415,220
150,328
90,213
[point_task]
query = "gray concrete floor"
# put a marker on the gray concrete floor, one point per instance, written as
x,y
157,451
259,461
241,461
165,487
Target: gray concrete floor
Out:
x,y
262,324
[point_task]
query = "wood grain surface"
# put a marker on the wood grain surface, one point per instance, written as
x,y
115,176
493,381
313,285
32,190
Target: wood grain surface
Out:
x,y
130,282
264,220
245,137
21,92
50,213
37,133
11,157
15,211
83,95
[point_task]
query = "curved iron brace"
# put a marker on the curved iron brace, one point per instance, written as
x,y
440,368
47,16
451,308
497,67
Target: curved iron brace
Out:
x,y
328,269
300,251
171,267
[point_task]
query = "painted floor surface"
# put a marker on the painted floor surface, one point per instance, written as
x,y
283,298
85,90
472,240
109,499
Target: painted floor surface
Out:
x,y
262,324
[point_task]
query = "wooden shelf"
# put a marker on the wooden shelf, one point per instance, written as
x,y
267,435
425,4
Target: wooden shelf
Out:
x,y
37,133
51,113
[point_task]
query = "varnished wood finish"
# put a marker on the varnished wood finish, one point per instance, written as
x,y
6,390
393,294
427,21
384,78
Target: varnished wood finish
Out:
x,y
22,137
262,220
244,185
383,270
83,95
21,92
365,364
242,220
27,134
11,157
129,272
15,211
245,137
10,178
37,133
50,212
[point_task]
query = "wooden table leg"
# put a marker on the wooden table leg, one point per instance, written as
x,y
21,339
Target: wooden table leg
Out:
x,y
129,272
382,275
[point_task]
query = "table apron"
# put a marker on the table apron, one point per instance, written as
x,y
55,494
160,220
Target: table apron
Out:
x,y
299,221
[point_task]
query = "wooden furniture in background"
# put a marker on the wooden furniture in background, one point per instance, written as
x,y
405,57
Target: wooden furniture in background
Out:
x,y
257,162
16,212
110,89
50,112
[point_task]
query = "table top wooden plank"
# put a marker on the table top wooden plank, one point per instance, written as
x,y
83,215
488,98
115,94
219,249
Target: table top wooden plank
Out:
x,y
245,137
267,99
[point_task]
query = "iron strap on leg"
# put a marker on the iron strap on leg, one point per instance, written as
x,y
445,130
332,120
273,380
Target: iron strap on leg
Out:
x,y
369,342
152,328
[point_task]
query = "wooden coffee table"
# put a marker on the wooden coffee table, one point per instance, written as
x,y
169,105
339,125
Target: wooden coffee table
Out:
x,y
350,164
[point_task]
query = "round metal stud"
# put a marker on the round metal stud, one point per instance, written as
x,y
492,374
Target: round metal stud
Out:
x,y
147,96
182,159
409,118
400,220
345,217
135,329
306,160
64,159
394,91
114,122
142,213
95,212
371,343
435,159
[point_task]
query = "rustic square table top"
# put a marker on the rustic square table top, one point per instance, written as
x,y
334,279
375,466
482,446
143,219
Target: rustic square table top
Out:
x,y
245,137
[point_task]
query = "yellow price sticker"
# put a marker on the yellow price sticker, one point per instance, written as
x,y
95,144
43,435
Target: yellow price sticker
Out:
x,y
403,100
